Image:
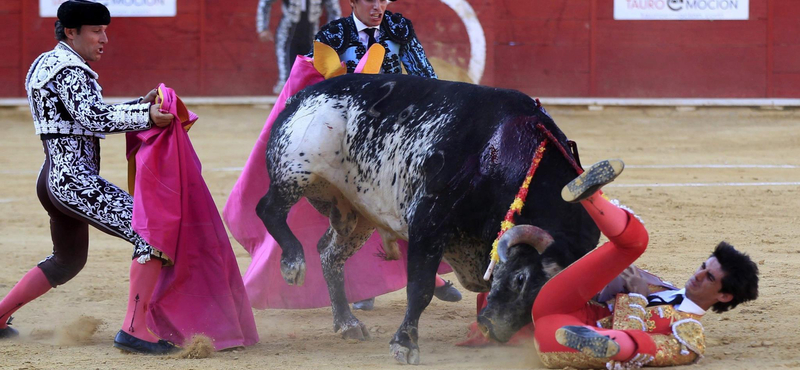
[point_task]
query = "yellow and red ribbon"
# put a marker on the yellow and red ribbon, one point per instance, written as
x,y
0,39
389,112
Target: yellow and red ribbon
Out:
x,y
516,206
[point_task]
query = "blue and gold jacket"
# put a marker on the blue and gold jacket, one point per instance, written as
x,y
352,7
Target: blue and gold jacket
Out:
x,y
397,37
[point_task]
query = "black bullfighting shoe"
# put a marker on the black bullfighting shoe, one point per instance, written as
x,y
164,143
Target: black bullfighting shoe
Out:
x,y
591,180
8,332
447,292
587,341
129,343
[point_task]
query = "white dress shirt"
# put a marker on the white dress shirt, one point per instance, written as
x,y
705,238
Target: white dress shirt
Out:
x,y
362,36
686,306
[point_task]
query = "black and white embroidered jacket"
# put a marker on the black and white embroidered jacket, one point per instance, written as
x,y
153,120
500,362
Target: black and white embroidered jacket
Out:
x,y
65,98
397,37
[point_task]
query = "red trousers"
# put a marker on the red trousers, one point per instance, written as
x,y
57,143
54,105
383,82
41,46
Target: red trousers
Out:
x,y
564,300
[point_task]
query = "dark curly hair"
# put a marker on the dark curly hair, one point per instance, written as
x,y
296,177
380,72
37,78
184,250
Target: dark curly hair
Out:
x,y
741,276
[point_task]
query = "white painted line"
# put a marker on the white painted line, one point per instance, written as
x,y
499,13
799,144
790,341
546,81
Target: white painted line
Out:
x,y
18,172
701,184
189,100
639,166
7,200
669,102
712,166
477,48
13,102
226,169
32,172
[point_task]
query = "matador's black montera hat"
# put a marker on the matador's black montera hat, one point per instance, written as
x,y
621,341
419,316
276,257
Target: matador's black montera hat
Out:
x,y
76,13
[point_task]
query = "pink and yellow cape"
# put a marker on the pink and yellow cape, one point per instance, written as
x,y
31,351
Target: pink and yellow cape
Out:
x,y
202,291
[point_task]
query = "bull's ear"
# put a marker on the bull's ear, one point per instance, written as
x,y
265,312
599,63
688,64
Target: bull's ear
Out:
x,y
523,234
551,268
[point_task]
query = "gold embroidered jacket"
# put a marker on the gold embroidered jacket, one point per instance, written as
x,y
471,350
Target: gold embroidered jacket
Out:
x,y
664,335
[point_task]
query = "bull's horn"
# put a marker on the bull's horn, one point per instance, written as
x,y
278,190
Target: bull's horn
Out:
x,y
523,234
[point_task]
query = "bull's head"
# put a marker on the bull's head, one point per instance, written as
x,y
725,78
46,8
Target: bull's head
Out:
x,y
517,279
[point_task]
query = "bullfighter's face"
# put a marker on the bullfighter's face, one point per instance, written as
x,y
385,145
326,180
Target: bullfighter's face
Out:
x,y
369,12
703,288
87,41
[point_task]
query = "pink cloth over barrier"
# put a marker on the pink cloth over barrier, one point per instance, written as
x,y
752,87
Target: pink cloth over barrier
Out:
x,y
203,292
366,274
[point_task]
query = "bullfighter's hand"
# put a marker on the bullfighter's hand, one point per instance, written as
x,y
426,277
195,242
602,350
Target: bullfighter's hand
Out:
x,y
158,118
150,97
265,36
634,282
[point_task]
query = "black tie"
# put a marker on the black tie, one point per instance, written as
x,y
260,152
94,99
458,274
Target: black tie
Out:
x,y
371,33
654,300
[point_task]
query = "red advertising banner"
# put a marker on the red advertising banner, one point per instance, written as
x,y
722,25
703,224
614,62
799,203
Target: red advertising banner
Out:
x,y
552,48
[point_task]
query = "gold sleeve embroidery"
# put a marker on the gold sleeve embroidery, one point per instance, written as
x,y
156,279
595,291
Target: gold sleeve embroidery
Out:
x,y
629,312
685,346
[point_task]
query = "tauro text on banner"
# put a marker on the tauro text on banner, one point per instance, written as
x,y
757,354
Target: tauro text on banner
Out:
x,y
681,9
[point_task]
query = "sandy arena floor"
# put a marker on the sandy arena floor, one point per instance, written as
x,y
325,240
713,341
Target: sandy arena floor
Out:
x,y
752,202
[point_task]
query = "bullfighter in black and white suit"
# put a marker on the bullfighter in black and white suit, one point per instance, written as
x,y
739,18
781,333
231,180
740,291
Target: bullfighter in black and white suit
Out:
x,y
299,22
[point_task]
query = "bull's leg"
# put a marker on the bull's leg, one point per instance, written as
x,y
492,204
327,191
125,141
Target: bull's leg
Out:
x,y
424,256
273,209
335,249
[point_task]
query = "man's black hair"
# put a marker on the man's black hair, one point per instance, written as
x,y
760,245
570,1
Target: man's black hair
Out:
x,y
741,276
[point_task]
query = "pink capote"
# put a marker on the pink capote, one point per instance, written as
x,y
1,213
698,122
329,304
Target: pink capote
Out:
x,y
366,275
203,292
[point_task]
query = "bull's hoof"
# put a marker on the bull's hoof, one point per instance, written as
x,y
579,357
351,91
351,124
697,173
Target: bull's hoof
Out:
x,y
358,331
294,272
404,355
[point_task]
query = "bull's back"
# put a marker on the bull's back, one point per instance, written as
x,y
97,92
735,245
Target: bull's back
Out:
x,y
372,136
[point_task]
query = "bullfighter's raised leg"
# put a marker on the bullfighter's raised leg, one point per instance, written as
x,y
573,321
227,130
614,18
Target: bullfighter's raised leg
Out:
x,y
569,290
558,329
273,209
422,266
335,249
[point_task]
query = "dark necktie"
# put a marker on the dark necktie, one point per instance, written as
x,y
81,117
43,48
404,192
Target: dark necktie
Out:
x,y
371,33
654,300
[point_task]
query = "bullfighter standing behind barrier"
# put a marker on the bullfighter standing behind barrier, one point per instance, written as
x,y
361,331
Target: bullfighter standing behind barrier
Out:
x,y
295,33
70,116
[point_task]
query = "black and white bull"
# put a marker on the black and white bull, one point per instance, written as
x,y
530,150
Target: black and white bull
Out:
x,y
433,162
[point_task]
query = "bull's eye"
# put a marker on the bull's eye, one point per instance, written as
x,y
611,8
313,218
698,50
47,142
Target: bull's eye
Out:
x,y
520,280
405,114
